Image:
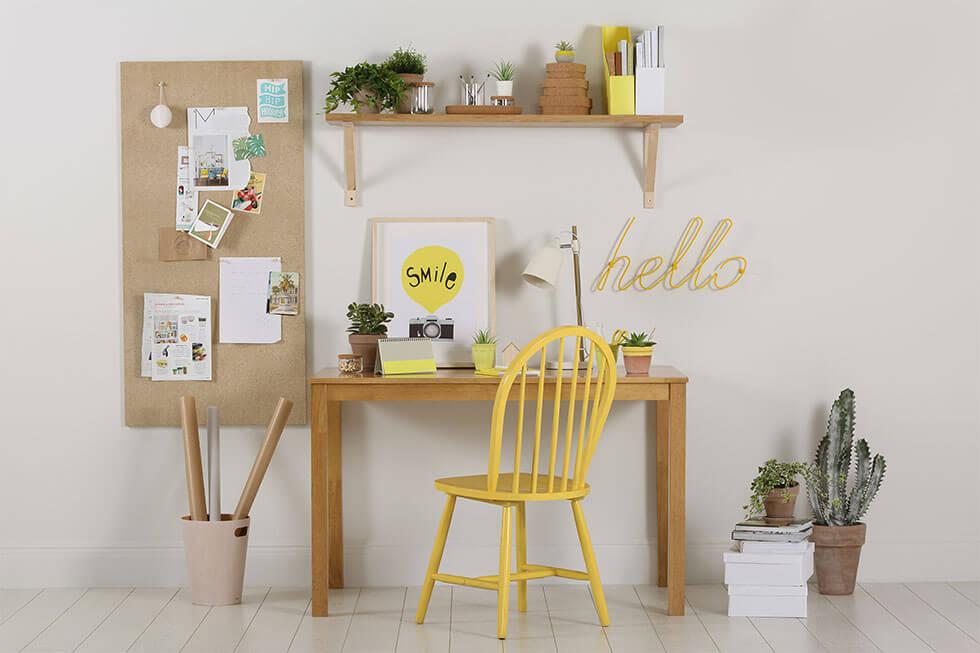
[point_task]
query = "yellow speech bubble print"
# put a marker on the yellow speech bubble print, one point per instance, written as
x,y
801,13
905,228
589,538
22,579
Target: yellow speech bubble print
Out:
x,y
432,276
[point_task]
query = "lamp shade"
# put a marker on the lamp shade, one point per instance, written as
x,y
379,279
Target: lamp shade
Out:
x,y
543,270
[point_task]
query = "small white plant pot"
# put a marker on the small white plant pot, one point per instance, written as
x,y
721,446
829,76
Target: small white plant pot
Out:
x,y
505,88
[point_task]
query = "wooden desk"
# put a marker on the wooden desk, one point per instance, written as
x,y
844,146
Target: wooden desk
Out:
x,y
665,385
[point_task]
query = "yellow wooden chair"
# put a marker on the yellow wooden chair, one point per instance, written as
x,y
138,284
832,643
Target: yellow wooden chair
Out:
x,y
512,490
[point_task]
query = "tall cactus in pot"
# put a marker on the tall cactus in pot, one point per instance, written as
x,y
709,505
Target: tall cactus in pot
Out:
x,y
838,501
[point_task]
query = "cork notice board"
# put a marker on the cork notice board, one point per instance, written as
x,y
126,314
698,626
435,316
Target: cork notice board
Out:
x,y
247,380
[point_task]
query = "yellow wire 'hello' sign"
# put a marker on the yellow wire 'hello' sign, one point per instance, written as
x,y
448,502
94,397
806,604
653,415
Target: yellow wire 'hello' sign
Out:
x,y
646,277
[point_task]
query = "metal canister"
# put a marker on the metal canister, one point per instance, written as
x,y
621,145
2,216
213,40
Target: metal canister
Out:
x,y
422,97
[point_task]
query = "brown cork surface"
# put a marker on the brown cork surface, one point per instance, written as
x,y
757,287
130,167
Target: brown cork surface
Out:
x,y
564,91
564,101
565,83
577,68
564,111
247,379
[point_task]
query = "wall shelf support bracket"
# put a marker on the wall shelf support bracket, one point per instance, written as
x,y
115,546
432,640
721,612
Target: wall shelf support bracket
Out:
x,y
651,138
350,164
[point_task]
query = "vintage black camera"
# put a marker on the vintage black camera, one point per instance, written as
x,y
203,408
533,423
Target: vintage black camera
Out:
x,y
431,327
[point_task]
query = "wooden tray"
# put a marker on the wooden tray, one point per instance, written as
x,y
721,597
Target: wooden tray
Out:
x,y
482,109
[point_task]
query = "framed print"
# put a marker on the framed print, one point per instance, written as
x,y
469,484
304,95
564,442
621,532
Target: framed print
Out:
x,y
437,276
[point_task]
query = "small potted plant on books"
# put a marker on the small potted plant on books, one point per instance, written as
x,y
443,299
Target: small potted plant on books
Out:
x,y
484,350
503,72
838,501
368,325
774,491
368,87
564,52
637,351
409,65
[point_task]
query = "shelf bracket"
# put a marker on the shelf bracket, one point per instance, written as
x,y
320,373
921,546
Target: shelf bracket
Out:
x,y
651,138
350,165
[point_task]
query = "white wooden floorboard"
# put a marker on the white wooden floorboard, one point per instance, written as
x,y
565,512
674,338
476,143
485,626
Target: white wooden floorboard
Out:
x,y
877,623
964,613
326,634
376,621
128,621
630,628
735,634
933,628
434,634
173,627
25,624
832,629
970,590
682,633
787,635
79,621
471,604
13,600
225,625
276,622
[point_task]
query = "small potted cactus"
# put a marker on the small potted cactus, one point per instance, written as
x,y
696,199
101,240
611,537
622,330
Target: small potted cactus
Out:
x,y
774,491
564,52
484,350
839,501
637,350
368,325
503,72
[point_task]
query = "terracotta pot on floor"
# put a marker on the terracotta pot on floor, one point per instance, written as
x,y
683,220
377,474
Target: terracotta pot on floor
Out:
x,y
779,511
836,557
366,346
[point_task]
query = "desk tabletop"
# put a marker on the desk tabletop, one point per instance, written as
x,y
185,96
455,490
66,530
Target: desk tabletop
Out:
x,y
658,374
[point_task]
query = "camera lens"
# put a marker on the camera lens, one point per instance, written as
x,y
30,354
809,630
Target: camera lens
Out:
x,y
431,330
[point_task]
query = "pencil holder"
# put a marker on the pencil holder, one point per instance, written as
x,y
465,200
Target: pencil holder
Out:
x,y
215,559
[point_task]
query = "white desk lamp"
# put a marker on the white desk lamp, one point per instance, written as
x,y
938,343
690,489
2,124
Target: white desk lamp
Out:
x,y
545,266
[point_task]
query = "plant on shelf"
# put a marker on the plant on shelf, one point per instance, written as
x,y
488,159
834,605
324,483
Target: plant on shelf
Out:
x,y
838,500
637,350
484,350
368,325
564,52
370,88
503,72
774,491
409,65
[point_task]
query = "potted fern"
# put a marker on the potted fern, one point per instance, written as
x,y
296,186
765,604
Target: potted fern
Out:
x,y
637,350
368,325
484,350
564,52
368,87
503,72
839,501
409,65
774,491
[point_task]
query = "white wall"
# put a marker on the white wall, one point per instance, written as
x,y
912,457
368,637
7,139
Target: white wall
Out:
x,y
841,137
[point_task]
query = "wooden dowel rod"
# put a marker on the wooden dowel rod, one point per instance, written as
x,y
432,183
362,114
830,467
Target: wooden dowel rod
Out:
x,y
263,459
192,459
214,464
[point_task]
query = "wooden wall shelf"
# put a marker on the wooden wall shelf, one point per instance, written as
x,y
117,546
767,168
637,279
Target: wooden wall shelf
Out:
x,y
651,126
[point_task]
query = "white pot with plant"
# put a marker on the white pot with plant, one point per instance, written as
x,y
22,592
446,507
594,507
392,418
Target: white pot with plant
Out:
x,y
564,52
503,72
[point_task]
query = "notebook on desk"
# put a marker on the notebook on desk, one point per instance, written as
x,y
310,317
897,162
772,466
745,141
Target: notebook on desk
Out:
x,y
405,356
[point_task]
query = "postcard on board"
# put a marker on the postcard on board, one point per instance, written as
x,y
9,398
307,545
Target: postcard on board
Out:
x,y
249,198
272,99
211,224
283,295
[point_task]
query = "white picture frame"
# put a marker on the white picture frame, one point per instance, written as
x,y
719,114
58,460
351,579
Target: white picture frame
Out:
x,y
421,256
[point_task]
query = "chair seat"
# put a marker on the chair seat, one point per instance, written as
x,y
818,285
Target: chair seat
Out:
x,y
475,487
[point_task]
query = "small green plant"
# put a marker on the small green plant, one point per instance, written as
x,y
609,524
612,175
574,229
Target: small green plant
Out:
x,y
368,319
564,46
406,60
483,337
773,475
640,339
370,84
836,499
503,71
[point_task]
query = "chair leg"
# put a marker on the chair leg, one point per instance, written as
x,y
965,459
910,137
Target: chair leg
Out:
x,y
521,555
590,563
503,582
437,548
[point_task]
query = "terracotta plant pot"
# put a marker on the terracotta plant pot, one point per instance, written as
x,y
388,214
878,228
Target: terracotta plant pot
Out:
x,y
778,510
484,356
410,79
637,360
362,104
836,557
367,346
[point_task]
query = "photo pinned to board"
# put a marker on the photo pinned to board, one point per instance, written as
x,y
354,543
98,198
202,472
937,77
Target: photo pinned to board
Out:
x,y
211,224
248,147
283,293
249,198
210,133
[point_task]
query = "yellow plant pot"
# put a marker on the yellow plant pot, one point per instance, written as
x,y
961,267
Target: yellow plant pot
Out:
x,y
637,360
484,356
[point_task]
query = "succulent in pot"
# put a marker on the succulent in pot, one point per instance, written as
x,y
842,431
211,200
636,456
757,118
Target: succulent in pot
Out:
x,y
503,72
637,350
484,350
368,325
774,491
564,52
839,500
410,65
368,87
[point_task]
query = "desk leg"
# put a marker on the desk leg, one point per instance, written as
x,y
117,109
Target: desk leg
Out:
x,y
663,428
324,505
335,496
675,499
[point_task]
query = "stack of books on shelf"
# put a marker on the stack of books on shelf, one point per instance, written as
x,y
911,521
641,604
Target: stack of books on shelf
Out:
x,y
768,567
565,90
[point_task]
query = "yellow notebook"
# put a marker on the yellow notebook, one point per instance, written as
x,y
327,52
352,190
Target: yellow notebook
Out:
x,y
406,356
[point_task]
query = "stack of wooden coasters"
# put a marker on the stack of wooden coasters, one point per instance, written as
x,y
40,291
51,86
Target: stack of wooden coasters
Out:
x,y
565,90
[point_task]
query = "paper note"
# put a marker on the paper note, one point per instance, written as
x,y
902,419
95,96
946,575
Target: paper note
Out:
x,y
249,199
272,99
243,287
176,337
210,133
186,195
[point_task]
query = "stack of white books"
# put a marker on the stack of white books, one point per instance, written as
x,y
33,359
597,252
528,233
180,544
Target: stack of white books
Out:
x,y
767,569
